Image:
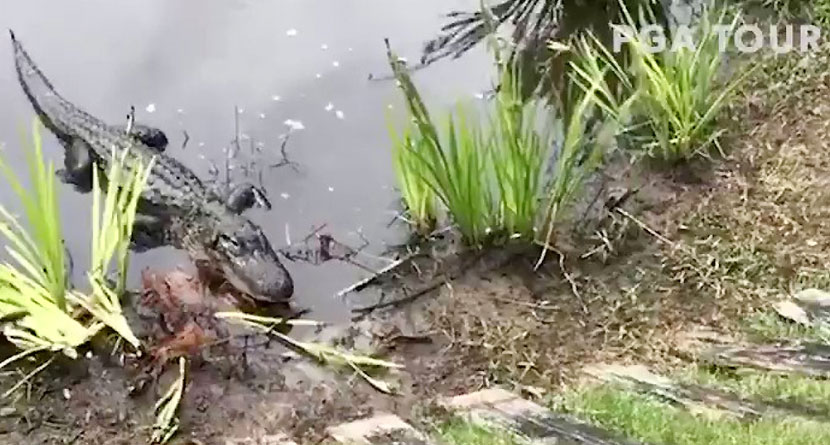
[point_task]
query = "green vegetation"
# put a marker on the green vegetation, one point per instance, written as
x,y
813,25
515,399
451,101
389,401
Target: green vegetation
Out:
x,y
38,313
793,389
677,94
651,421
490,178
459,432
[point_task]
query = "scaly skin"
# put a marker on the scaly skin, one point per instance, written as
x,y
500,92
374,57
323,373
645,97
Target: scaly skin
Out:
x,y
180,209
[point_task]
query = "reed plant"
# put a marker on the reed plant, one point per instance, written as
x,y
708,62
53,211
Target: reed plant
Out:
x,y
417,196
453,167
38,312
680,91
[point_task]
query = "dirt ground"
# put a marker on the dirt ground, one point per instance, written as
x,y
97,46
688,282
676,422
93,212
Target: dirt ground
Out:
x,y
708,244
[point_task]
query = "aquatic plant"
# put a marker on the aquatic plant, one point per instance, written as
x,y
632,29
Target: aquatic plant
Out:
x,y
454,166
519,144
417,196
35,316
39,251
678,93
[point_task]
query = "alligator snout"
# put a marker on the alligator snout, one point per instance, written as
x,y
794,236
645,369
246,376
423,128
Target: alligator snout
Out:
x,y
252,266
261,276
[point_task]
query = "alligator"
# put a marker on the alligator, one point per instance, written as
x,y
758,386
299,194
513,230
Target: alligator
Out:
x,y
175,208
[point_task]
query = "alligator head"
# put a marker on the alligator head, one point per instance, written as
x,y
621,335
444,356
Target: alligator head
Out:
x,y
249,263
241,253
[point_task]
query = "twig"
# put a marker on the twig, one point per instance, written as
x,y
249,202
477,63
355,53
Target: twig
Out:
x,y
284,161
645,227
28,376
130,119
186,139
360,285
426,289
571,281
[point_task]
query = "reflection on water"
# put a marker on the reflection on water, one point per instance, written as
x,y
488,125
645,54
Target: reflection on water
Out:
x,y
286,64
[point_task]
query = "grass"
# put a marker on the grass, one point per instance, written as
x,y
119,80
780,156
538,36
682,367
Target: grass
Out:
x,y
678,95
490,177
750,383
459,432
40,250
651,421
37,310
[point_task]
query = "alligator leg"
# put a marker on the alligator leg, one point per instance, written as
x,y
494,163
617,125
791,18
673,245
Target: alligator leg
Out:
x,y
78,165
148,232
150,136
244,196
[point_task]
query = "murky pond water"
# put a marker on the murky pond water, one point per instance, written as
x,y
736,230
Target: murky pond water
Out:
x,y
186,64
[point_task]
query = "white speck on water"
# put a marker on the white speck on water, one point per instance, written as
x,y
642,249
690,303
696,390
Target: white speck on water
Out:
x,y
318,75
324,47
479,95
180,111
201,156
403,60
331,189
88,354
151,108
67,394
390,107
201,144
398,83
294,125
329,106
276,98
291,32
350,49
241,110
244,136
335,64
262,115
339,114
284,195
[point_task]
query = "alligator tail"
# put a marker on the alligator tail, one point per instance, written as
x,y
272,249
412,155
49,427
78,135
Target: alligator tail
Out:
x,y
52,109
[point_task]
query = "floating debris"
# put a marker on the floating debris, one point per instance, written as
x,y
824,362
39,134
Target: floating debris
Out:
x,y
350,49
262,115
180,111
390,107
294,125
201,144
335,64
291,32
151,108
331,189
324,47
479,95
318,75
339,114
329,106
276,98
284,195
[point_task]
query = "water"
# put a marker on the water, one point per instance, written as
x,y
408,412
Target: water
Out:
x,y
192,61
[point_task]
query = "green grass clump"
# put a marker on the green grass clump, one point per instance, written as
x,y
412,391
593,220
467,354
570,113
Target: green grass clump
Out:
x,y
678,94
459,432
37,310
490,177
765,386
643,418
